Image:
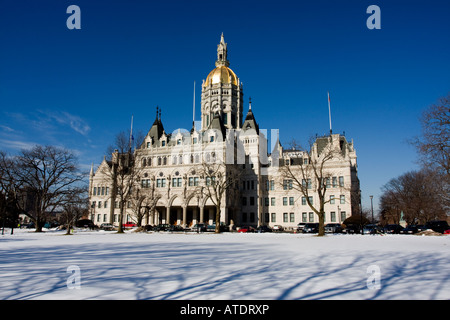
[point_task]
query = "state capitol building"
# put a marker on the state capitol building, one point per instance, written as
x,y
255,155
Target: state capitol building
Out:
x,y
181,178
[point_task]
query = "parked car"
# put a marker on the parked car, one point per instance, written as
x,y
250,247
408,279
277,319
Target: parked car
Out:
x,y
246,229
351,229
198,227
372,229
129,225
420,227
410,230
262,229
107,227
222,227
162,227
311,228
148,227
176,227
85,223
333,228
51,224
437,226
393,228
300,226
277,228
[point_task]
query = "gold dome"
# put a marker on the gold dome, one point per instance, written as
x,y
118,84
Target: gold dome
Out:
x,y
221,74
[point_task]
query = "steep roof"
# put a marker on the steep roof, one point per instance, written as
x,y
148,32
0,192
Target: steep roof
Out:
x,y
217,124
157,129
250,121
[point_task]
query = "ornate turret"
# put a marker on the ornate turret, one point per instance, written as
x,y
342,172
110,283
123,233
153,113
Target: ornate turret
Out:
x,y
222,53
222,92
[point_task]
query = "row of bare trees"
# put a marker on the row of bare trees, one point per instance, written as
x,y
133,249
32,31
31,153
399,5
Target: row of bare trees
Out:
x,y
311,172
423,195
219,180
40,182
126,176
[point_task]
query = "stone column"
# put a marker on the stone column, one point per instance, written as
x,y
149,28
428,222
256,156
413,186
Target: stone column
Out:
x,y
201,215
184,222
168,215
152,216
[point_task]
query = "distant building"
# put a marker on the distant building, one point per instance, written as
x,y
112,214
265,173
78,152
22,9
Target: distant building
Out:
x,y
169,185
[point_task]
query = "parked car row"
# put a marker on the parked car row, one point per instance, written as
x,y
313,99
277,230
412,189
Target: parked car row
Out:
x,y
198,227
314,228
260,229
436,226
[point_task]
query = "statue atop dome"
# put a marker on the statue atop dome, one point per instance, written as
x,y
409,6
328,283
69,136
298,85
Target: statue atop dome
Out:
x,y
222,59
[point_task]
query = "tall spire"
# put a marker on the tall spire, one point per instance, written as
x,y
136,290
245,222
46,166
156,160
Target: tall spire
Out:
x,y
91,173
222,59
131,134
193,107
329,113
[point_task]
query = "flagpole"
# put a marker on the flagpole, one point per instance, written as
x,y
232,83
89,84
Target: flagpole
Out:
x,y
329,112
193,112
131,131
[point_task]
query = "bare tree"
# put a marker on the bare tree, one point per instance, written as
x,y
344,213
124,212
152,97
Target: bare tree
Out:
x,y
75,207
434,145
9,191
144,197
310,173
414,193
44,178
219,178
122,173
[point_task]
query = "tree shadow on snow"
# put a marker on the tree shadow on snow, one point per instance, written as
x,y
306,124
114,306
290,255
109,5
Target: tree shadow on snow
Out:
x,y
185,270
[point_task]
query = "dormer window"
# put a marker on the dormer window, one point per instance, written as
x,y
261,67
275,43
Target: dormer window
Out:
x,y
163,143
211,139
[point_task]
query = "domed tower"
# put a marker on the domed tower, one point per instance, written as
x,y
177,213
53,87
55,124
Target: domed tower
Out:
x,y
222,93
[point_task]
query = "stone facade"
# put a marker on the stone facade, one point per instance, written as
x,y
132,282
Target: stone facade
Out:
x,y
173,174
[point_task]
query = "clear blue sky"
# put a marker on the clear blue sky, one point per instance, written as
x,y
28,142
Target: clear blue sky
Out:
x,y
78,88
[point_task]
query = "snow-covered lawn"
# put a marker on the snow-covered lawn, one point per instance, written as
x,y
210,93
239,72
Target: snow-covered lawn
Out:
x,y
223,266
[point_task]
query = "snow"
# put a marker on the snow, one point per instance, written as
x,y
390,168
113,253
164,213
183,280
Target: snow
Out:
x,y
227,266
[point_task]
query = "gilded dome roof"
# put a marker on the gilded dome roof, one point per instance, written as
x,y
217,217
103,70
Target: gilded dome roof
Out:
x,y
221,74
